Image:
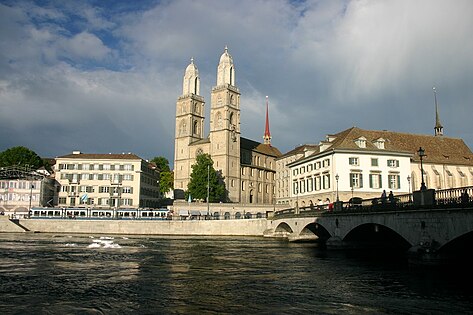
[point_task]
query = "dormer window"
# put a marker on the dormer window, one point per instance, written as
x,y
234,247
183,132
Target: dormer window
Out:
x,y
361,142
379,143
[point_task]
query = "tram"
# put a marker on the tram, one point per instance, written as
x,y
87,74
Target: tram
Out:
x,y
92,213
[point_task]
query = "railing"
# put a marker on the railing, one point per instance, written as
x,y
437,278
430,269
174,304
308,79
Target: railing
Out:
x,y
444,198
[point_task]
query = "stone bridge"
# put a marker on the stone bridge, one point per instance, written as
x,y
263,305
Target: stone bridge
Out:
x,y
426,233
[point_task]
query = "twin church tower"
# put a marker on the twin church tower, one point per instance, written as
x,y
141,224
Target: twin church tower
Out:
x,y
247,166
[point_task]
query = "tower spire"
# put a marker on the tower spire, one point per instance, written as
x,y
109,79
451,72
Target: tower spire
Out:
x,y
267,134
438,126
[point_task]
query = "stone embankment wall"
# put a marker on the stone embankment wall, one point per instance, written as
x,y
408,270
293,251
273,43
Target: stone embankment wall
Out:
x,y
7,226
248,227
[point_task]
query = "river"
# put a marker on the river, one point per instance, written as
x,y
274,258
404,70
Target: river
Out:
x,y
81,274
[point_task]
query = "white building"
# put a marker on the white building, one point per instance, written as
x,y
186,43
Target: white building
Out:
x,y
106,181
368,162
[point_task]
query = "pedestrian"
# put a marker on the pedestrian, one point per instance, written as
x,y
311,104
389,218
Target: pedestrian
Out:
x,y
391,197
465,198
383,197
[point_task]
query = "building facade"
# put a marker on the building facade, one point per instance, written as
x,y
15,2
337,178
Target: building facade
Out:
x,y
363,163
233,155
106,181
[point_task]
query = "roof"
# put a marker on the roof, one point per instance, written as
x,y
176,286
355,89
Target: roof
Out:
x,y
267,149
95,156
438,149
301,149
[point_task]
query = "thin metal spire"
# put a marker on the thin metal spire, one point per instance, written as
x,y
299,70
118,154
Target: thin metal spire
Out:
x,y
267,134
438,126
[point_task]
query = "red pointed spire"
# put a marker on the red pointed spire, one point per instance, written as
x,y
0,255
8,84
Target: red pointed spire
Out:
x,y
267,134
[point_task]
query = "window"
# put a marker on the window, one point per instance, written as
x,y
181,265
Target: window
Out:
x,y
326,163
294,172
104,189
317,165
127,190
128,167
106,167
394,181
361,142
309,167
127,177
310,184
326,181
353,161
302,185
356,180
318,183
393,163
295,189
243,185
375,181
374,162
302,170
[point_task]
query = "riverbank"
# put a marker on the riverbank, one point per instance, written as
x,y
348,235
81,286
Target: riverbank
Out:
x,y
247,227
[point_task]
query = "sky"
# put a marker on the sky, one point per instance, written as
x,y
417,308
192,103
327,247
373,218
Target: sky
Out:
x,y
104,76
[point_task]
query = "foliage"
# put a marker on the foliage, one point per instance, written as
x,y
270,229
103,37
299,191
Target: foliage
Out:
x,y
166,182
20,156
203,173
166,177
161,163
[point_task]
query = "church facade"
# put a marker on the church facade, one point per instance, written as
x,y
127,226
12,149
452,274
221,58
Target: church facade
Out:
x,y
248,167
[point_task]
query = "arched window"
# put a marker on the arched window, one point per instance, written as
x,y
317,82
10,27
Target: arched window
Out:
x,y
196,128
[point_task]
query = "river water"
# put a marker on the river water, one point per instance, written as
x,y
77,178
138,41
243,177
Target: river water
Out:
x,y
81,274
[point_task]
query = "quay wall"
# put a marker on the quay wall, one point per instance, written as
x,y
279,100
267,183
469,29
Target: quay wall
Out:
x,y
247,227
7,226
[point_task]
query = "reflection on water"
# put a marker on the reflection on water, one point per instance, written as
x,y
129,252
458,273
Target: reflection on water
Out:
x,y
71,274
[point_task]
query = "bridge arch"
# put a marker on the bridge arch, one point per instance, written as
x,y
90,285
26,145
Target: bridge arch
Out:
x,y
317,230
283,227
374,235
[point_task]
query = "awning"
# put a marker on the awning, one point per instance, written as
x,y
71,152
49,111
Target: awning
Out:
x,y
204,212
195,212
183,213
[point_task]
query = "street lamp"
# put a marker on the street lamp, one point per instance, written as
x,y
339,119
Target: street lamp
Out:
x,y
409,184
421,153
31,194
208,189
336,178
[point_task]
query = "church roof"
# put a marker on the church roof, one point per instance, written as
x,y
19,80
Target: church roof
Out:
x,y
442,150
266,149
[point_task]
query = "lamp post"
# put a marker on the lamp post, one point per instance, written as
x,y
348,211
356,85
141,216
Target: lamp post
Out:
x,y
297,198
421,153
336,178
31,194
409,184
208,189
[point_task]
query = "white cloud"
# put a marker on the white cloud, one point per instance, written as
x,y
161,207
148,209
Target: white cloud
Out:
x,y
106,79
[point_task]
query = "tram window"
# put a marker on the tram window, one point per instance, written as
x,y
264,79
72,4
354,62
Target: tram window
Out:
x,y
50,213
57,213
82,213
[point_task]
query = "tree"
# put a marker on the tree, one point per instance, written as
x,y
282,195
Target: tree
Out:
x,y
166,177
20,156
161,163
203,173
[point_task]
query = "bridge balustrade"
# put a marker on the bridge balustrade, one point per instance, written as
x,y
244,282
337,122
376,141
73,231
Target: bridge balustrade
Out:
x,y
444,198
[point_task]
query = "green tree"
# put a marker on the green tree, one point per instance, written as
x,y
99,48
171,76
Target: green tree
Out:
x,y
20,156
166,177
161,163
203,172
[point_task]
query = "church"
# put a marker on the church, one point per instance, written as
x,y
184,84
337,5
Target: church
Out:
x,y
248,167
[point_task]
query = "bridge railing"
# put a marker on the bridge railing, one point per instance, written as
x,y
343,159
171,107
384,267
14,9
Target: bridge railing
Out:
x,y
444,198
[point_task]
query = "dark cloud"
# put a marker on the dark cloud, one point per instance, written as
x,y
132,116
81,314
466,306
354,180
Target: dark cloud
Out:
x,y
83,76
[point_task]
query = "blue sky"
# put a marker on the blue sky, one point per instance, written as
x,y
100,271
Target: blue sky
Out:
x,y
104,76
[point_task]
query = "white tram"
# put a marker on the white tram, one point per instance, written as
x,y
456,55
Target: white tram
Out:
x,y
91,213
